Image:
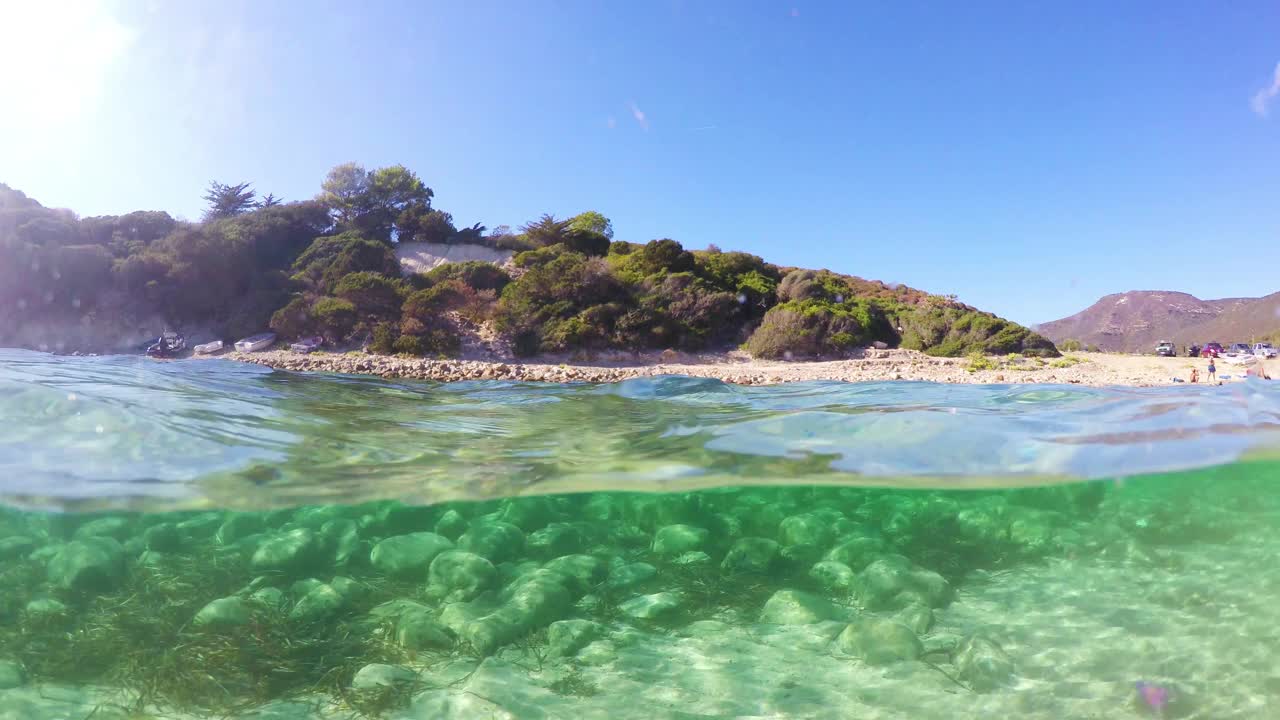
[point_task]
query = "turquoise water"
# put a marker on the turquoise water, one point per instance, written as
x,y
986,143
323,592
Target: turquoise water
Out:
x,y
210,539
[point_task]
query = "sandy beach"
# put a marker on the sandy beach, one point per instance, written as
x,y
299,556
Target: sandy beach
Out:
x,y
1082,368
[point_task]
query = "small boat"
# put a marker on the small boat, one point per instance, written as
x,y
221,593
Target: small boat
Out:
x,y
209,348
306,345
168,345
254,343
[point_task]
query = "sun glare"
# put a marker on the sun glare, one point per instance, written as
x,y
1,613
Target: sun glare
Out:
x,y
56,56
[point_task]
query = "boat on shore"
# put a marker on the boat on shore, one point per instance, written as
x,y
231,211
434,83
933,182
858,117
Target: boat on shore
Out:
x,y
306,345
169,344
254,343
210,348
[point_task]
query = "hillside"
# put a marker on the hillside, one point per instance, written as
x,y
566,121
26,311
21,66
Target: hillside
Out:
x,y
369,262
1135,321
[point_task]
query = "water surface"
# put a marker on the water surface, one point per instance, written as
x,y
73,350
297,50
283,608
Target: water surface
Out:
x,y
207,539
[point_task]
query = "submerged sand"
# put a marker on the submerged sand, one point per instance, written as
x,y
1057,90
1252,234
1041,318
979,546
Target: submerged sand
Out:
x,y
1083,368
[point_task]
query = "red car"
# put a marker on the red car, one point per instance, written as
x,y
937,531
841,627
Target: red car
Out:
x,y
1212,349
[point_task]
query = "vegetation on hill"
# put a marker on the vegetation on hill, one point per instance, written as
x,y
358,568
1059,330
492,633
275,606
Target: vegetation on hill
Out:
x,y
327,266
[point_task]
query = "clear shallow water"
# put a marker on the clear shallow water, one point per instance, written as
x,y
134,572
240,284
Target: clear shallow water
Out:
x,y
129,432
262,544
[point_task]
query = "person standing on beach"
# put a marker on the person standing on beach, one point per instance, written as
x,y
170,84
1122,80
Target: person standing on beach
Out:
x,y
1213,371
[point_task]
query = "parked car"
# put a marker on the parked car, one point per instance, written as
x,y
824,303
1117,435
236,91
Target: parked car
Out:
x,y
1265,350
1166,349
1212,349
1239,349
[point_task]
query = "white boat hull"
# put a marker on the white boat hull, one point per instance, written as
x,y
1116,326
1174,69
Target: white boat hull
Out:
x,y
209,348
255,343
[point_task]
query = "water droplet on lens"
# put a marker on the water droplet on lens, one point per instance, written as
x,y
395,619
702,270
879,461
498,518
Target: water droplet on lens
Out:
x,y
839,298
742,298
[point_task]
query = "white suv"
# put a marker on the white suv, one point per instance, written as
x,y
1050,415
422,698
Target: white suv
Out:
x,y
1265,350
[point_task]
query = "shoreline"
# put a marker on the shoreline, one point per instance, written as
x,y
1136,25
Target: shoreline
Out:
x,y
1081,368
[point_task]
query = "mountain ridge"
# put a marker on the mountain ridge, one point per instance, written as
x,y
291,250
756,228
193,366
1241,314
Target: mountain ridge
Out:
x,y
1134,321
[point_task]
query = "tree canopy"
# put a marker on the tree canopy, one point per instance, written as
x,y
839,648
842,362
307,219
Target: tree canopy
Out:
x,y
329,266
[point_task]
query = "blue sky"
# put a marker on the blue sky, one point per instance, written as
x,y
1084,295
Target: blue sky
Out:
x,y
1028,157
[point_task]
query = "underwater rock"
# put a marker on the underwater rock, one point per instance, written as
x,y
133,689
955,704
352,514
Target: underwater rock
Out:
x,y
1033,532
163,537
417,630
317,516
222,613
270,597
237,526
321,603
45,607
893,582
648,607
300,588
792,607
342,539
797,557
679,539
451,525
11,675
917,616
983,664
805,529
630,575
879,642
529,513
44,553
692,558
529,603
408,555
751,554
566,637
455,575
857,553
555,540
832,576
395,609
377,675
15,546
624,535
292,551
115,527
95,563
200,527
496,541
582,572
400,519
348,588
596,653
152,559
654,511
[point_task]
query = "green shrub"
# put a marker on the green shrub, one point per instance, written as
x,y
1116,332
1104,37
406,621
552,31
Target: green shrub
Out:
x,y
434,342
1069,346
385,336
335,317
293,320
473,273
978,361
372,294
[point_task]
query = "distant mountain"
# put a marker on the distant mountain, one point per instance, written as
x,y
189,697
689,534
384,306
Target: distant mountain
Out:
x,y
1137,320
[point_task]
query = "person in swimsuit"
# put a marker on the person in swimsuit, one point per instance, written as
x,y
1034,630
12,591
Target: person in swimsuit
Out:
x,y
1213,371
1195,375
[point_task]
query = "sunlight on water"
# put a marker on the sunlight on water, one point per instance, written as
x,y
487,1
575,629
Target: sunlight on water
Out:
x,y
250,543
